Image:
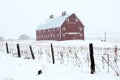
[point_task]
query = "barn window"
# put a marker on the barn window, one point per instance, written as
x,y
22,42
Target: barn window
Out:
x,y
81,34
57,35
76,19
54,29
48,30
80,28
53,35
57,28
63,35
48,36
43,30
63,28
71,21
40,37
45,36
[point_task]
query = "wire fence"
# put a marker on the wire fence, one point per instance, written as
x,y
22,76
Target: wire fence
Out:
x,y
68,54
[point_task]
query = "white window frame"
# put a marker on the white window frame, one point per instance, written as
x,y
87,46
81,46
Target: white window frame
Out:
x,y
68,20
63,35
80,28
81,34
63,28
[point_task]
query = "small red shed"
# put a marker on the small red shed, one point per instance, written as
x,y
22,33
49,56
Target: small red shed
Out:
x,y
64,27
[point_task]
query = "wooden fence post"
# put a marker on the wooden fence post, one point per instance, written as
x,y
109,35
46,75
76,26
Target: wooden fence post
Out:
x,y
7,50
53,59
116,54
108,62
92,67
33,57
18,49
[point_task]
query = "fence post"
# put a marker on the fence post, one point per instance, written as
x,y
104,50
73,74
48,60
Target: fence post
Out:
x,y
7,50
18,49
116,54
53,59
33,57
92,66
108,62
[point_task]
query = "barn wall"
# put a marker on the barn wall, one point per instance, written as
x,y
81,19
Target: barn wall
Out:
x,y
48,34
72,29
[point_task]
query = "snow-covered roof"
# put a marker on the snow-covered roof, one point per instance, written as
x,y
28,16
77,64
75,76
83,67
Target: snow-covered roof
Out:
x,y
53,23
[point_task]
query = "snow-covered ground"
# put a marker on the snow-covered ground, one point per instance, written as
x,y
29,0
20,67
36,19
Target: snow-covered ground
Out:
x,y
71,61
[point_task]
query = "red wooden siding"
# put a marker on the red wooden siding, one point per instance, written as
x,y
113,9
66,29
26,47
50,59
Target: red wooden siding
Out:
x,y
71,29
48,34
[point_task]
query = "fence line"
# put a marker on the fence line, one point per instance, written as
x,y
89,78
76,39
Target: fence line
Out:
x,y
74,54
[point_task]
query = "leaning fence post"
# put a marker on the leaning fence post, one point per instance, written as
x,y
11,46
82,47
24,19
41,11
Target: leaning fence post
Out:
x,y
7,50
92,58
33,57
108,62
18,49
53,59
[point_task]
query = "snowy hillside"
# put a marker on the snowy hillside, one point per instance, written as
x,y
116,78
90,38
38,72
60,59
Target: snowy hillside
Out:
x,y
71,61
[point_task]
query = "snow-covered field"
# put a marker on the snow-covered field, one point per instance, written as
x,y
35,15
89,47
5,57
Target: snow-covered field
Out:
x,y
71,61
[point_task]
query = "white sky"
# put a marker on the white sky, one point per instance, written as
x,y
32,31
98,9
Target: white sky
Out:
x,y
23,16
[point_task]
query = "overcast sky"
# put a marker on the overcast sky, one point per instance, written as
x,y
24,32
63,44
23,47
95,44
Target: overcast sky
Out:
x,y
23,16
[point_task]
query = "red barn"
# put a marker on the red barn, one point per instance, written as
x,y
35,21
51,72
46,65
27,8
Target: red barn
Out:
x,y
64,27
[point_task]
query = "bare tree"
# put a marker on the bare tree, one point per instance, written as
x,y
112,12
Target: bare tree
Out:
x,y
23,37
1,38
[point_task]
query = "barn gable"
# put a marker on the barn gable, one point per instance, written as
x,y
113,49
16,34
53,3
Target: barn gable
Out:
x,y
54,22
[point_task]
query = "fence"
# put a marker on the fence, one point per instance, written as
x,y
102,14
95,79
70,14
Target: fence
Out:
x,y
76,53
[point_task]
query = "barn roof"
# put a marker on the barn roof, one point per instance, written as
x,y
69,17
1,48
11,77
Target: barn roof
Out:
x,y
53,23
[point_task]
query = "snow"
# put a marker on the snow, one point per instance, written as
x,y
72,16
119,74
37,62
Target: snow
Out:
x,y
66,68
53,23
72,33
